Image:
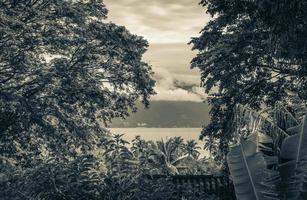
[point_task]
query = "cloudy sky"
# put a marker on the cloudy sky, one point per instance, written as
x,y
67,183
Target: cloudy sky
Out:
x,y
168,25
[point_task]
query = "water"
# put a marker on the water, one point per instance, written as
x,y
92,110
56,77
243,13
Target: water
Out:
x,y
155,134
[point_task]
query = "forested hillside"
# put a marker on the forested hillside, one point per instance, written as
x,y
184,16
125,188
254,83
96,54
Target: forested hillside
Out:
x,y
167,114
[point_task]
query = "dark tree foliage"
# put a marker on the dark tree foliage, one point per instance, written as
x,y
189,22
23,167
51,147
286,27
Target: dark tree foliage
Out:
x,y
252,53
63,70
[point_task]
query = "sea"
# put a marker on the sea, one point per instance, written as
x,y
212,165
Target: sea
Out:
x,y
156,134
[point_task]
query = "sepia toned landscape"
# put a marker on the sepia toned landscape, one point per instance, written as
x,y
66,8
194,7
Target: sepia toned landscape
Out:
x,y
153,100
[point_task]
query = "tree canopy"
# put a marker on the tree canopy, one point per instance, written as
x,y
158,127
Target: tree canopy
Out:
x,y
251,53
63,70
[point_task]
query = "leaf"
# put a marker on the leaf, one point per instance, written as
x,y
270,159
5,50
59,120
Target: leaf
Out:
x,y
304,188
179,159
248,170
293,162
266,145
294,130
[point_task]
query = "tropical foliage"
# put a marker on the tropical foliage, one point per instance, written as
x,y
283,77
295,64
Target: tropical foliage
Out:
x,y
119,171
170,157
270,162
64,71
251,53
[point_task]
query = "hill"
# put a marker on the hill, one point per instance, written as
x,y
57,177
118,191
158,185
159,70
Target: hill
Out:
x,y
167,114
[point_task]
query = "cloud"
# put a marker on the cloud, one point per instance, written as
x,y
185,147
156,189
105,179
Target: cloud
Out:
x,y
172,88
173,57
168,25
160,21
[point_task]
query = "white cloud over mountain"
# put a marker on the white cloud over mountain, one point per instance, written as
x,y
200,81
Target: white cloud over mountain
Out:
x,y
168,25
177,88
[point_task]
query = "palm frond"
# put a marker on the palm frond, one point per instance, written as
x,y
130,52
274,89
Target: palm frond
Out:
x,y
174,162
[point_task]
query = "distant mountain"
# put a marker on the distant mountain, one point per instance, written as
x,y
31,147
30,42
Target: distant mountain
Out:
x,y
167,114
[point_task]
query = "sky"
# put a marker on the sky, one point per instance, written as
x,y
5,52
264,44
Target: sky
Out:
x,y
168,25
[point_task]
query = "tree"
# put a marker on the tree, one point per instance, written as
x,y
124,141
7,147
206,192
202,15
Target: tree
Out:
x,y
115,149
139,146
141,151
121,169
167,155
251,53
191,149
63,71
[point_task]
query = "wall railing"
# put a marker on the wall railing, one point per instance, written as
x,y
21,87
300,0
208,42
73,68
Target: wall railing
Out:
x,y
209,184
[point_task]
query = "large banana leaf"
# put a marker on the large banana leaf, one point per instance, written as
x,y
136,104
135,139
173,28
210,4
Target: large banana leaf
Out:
x,y
304,188
294,162
264,123
283,118
294,130
266,146
249,171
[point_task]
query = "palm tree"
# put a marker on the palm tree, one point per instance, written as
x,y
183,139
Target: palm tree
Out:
x,y
178,145
191,149
165,154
